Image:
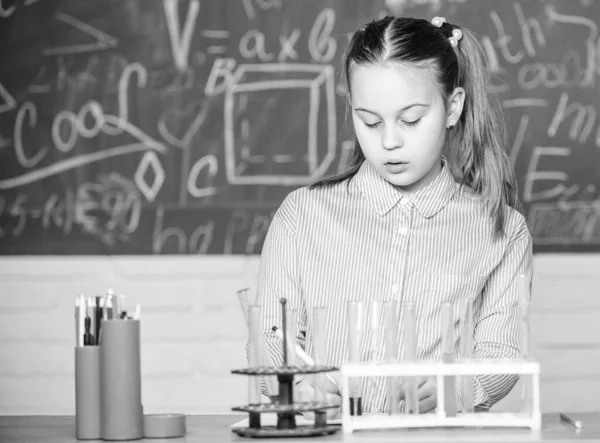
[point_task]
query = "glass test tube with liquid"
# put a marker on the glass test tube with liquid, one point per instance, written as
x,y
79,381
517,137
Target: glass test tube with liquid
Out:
x,y
356,320
288,326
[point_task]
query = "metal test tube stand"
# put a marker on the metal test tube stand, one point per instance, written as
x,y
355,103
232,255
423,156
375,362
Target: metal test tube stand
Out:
x,y
285,407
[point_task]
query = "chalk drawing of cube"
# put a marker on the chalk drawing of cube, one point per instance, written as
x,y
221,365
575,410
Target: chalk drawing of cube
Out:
x,y
280,124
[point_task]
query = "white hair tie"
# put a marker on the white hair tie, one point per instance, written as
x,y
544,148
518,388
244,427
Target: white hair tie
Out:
x,y
438,21
456,33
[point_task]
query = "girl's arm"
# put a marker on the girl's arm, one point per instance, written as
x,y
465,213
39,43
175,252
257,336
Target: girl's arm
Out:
x,y
279,277
497,325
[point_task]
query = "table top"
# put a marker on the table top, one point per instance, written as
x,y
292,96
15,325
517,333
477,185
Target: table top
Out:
x,y
216,429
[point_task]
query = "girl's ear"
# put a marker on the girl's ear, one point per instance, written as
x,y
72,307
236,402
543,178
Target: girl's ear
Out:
x,y
456,102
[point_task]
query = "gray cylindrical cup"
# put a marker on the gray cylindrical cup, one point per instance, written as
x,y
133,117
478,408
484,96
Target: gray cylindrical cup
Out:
x,y
87,392
120,381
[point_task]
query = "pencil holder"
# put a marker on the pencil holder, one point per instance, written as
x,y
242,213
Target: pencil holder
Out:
x,y
87,392
120,378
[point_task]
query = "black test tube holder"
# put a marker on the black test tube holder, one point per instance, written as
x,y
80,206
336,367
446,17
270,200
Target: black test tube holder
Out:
x,y
285,407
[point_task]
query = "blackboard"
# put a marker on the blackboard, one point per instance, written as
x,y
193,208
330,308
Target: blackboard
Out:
x,y
179,126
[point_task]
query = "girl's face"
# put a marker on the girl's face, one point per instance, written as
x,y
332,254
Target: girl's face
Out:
x,y
400,121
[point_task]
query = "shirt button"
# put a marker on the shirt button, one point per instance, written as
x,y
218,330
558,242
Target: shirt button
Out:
x,y
395,288
403,231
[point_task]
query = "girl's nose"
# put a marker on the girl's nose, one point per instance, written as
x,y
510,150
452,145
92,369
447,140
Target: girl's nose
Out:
x,y
391,138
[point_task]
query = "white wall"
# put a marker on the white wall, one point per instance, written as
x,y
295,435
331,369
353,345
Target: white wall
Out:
x,y
193,332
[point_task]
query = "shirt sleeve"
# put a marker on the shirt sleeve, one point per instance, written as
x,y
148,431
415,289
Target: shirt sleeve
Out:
x,y
497,324
279,278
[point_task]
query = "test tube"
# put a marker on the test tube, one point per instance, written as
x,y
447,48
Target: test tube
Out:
x,y
411,389
375,329
374,332
391,348
524,298
466,350
242,295
320,349
356,319
524,295
254,357
260,343
287,391
284,330
448,353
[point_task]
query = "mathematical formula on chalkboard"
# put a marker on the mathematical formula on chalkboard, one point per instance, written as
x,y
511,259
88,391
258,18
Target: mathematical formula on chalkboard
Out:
x,y
179,126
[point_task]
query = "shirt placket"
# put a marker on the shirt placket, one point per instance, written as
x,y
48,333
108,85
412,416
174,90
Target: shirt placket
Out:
x,y
403,219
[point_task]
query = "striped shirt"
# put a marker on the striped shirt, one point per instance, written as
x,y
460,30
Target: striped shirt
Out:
x,y
364,240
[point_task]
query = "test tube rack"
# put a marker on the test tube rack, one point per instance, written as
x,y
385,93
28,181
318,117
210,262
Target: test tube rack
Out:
x,y
286,408
531,418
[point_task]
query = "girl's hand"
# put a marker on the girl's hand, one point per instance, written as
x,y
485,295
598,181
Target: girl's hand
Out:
x,y
328,394
427,391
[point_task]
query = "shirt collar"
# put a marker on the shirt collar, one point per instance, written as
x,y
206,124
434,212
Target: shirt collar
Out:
x,y
383,196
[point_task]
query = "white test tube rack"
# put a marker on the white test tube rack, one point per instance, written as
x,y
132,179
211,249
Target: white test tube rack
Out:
x,y
531,419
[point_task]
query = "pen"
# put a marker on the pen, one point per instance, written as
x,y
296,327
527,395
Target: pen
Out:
x,y
105,307
91,314
304,356
98,319
77,325
575,423
81,319
122,312
108,305
88,338
116,307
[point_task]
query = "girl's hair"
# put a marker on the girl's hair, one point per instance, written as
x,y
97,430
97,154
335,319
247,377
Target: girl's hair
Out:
x,y
476,144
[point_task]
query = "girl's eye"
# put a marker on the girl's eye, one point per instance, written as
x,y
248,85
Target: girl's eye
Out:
x,y
413,123
374,125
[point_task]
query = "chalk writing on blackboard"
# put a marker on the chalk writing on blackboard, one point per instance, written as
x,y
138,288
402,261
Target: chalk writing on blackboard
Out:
x,y
178,127
255,83
103,41
68,127
7,101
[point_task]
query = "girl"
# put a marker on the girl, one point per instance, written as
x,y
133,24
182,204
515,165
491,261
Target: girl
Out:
x,y
426,213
